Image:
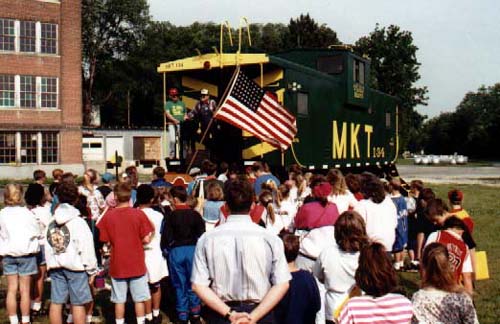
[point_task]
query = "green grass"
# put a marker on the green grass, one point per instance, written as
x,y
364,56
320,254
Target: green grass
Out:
x,y
482,204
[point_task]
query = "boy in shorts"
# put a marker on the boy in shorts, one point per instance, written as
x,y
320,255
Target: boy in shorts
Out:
x,y
19,233
127,229
70,257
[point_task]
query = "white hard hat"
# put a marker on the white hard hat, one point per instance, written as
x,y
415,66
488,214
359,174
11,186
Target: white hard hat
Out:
x,y
204,91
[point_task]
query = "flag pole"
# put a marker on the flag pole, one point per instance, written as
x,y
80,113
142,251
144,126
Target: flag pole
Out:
x,y
236,71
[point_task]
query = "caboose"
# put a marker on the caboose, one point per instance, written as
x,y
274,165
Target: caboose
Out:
x,y
341,121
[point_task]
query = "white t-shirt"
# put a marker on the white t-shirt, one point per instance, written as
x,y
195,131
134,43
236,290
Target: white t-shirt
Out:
x,y
43,218
335,269
155,262
344,201
381,220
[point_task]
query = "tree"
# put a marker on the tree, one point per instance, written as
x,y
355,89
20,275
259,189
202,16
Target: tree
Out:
x,y
110,30
305,32
394,70
472,129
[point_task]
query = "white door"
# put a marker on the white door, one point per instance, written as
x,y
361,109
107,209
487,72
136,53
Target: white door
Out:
x,y
114,144
92,149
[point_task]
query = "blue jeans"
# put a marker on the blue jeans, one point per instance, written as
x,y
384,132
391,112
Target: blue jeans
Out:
x,y
21,265
73,284
138,286
180,261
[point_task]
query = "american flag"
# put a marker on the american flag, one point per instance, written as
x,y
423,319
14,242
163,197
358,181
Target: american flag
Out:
x,y
250,108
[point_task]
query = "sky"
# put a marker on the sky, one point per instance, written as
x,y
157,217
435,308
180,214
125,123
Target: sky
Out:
x,y
458,40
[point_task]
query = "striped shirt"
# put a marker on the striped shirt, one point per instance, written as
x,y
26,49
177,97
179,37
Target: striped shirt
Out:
x,y
240,260
388,309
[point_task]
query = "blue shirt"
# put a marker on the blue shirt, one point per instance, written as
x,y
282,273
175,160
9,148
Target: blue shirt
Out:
x,y
301,302
257,187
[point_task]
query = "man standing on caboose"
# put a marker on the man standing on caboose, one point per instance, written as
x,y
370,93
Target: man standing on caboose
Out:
x,y
202,113
175,111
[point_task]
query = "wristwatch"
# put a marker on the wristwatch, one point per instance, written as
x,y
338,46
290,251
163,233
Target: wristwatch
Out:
x,y
228,314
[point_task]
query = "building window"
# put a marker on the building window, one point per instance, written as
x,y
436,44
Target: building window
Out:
x,y
49,39
7,147
48,92
28,91
50,147
7,90
27,36
7,35
28,147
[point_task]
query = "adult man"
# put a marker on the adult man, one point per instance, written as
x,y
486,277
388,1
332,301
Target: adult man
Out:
x,y
175,111
202,114
240,270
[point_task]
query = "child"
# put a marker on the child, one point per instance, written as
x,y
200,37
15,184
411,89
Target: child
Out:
x,y
70,257
127,229
211,208
155,262
402,227
293,309
19,233
182,230
460,257
456,197
35,200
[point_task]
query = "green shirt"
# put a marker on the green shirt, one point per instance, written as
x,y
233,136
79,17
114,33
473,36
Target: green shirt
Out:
x,y
176,109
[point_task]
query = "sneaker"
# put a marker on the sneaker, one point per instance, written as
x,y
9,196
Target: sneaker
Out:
x,y
412,267
157,319
195,320
38,313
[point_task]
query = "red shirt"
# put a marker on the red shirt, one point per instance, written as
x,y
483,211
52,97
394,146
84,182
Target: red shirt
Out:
x,y
125,228
313,215
457,251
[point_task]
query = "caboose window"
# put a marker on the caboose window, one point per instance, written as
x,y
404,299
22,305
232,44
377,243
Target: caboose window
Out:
x,y
387,120
302,103
330,64
359,72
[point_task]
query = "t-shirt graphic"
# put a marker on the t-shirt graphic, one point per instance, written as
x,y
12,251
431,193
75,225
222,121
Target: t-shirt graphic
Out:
x,y
58,237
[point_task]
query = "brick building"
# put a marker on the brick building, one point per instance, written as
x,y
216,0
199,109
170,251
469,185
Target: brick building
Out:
x,y
40,86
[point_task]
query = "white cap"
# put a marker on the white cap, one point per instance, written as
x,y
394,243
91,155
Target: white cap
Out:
x,y
204,91
194,171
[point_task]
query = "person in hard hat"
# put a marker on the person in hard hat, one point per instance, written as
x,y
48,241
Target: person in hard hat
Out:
x,y
175,111
202,113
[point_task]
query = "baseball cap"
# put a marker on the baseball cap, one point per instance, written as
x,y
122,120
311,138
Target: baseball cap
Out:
x,y
107,177
204,91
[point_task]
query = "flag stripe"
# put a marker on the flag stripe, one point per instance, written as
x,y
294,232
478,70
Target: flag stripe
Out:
x,y
258,120
283,112
278,127
233,118
288,127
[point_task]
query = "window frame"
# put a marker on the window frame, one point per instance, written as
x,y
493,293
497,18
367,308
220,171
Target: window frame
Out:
x,y
54,92
4,89
24,92
45,40
33,37
7,152
48,151
4,35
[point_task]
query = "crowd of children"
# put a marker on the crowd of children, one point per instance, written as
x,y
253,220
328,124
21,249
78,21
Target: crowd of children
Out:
x,y
344,240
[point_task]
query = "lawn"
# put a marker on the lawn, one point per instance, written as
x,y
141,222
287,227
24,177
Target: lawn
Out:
x,y
482,202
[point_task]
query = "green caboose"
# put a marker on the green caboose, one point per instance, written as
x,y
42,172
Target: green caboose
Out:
x,y
341,121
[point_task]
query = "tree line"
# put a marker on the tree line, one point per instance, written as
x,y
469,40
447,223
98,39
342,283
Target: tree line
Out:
x,y
122,47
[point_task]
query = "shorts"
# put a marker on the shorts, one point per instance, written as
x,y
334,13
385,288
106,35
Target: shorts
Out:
x,y
21,265
401,235
139,289
73,284
40,256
